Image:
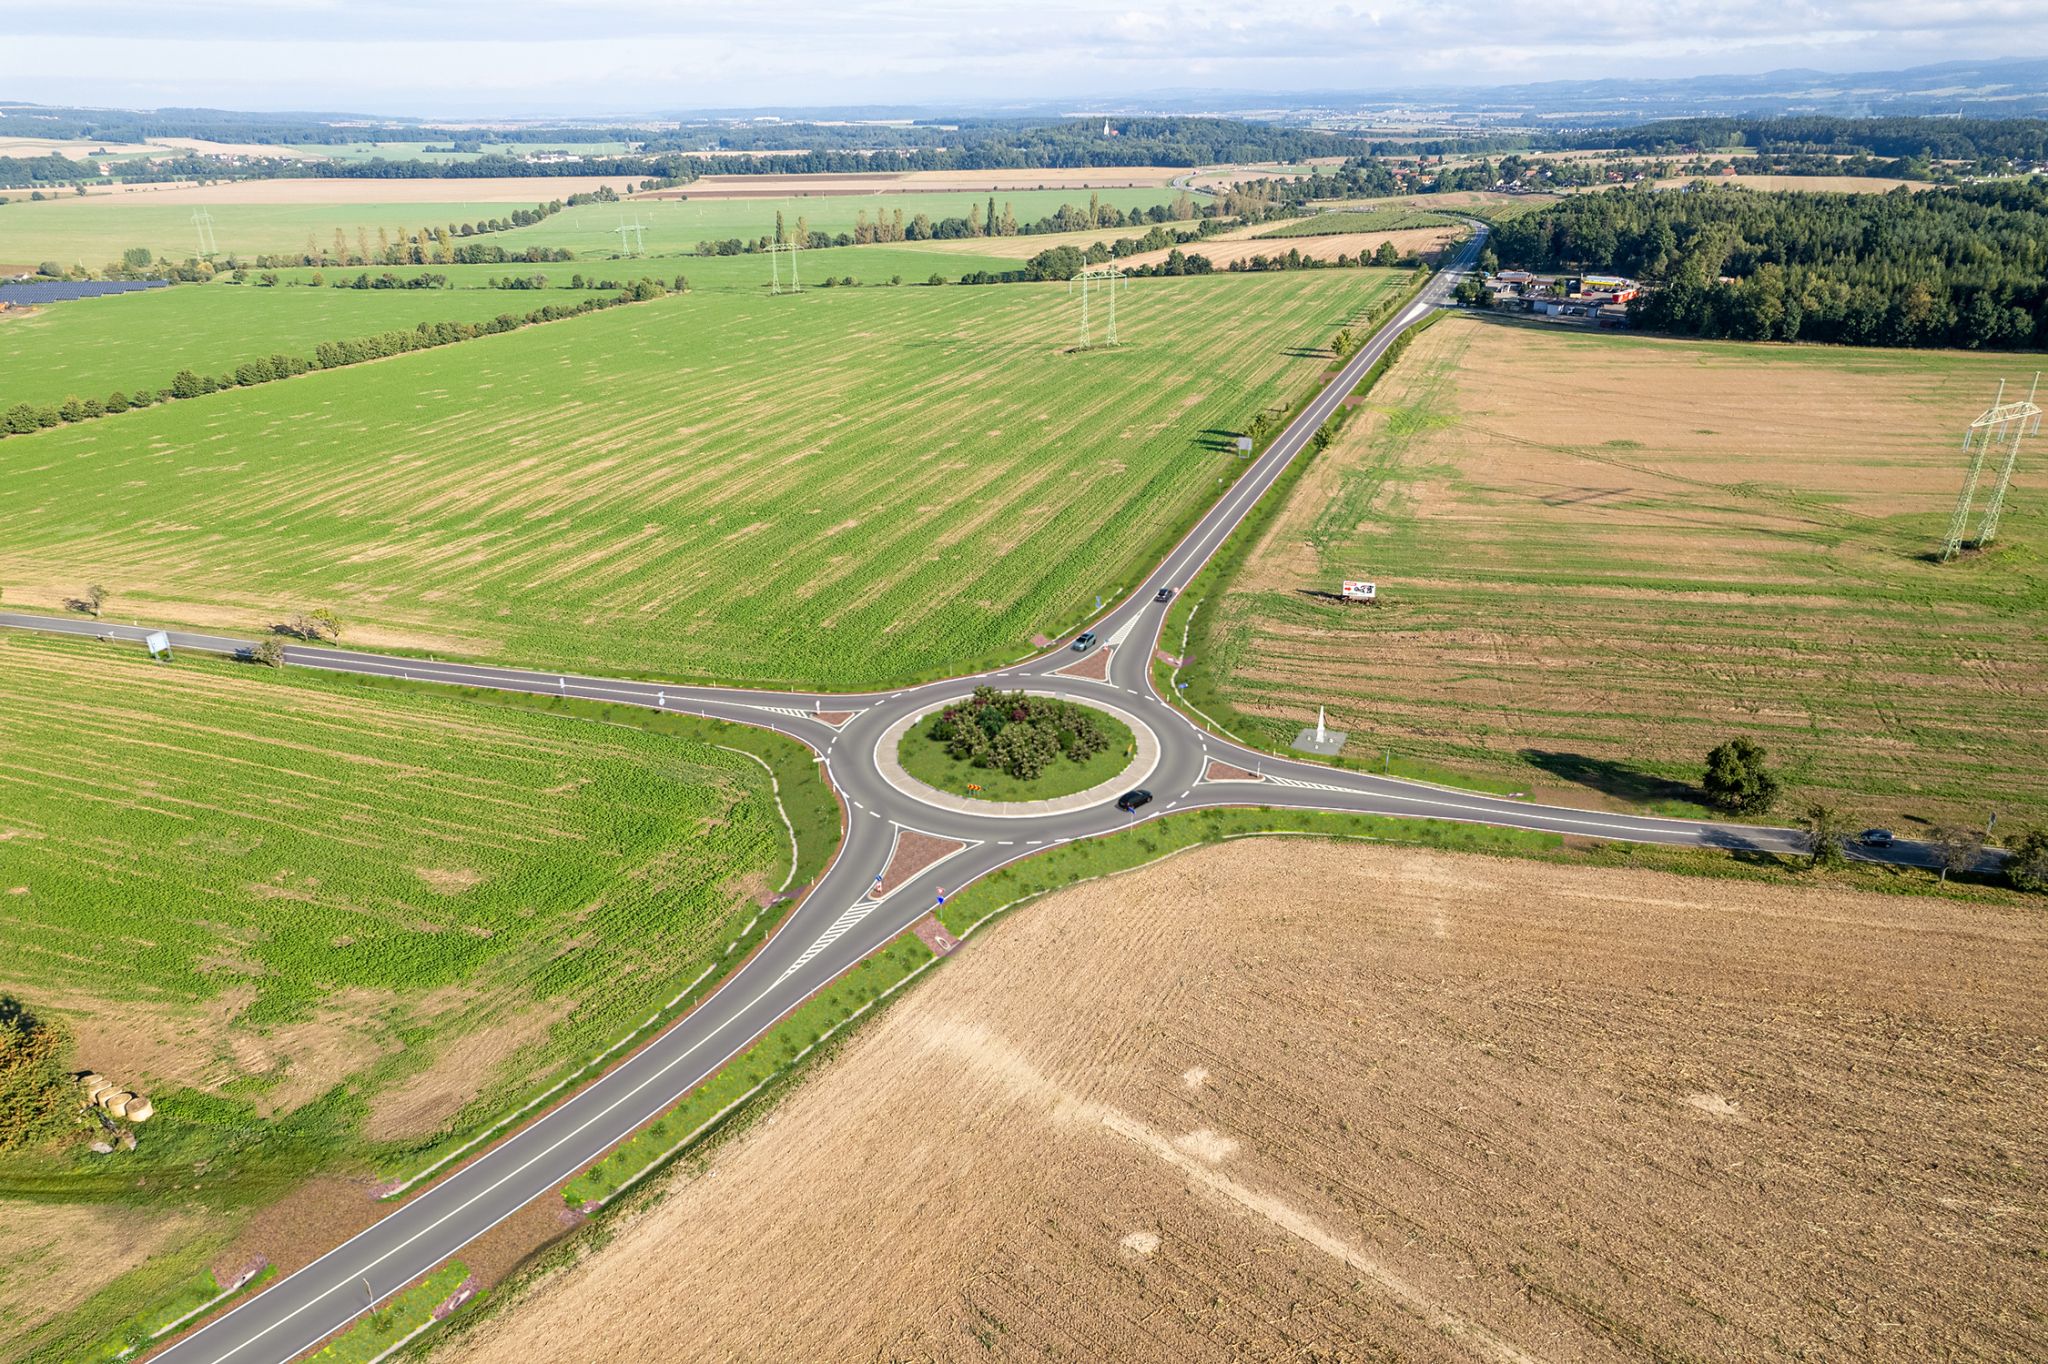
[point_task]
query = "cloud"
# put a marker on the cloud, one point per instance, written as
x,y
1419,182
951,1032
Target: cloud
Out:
x,y
612,56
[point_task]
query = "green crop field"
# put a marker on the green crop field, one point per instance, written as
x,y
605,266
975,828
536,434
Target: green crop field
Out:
x,y
842,488
1598,556
324,924
670,225
914,262
1339,221
97,228
88,347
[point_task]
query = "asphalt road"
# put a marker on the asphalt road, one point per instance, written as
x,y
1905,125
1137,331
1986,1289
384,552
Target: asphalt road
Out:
x,y
838,922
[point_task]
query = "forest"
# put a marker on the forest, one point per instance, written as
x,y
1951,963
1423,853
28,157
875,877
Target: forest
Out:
x,y
1965,267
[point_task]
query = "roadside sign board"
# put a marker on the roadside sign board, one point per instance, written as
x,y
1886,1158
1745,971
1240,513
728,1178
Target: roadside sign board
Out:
x,y
1358,591
159,642
1244,445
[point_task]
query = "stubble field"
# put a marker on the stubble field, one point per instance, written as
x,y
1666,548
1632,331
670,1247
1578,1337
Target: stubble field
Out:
x,y
323,925
840,488
1599,556
1510,1113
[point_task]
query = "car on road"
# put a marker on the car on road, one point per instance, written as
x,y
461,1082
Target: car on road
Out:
x,y
1131,800
1084,643
1165,594
1875,838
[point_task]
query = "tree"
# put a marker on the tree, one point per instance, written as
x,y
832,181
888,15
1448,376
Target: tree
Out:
x,y
34,1079
326,621
1386,255
95,598
2027,867
1341,346
1957,848
270,652
1824,833
1736,779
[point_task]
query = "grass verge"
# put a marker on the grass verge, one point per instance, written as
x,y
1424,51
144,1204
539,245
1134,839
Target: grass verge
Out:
x,y
407,1316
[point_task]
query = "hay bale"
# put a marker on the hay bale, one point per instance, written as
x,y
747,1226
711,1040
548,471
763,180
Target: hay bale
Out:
x,y
140,1109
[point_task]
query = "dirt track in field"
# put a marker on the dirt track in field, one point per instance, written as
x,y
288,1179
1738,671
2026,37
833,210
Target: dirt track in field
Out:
x,y
1287,1100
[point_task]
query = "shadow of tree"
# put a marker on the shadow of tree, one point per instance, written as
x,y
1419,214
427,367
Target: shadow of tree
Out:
x,y
1612,778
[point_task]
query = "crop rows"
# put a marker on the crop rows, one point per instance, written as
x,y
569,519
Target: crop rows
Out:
x,y
840,488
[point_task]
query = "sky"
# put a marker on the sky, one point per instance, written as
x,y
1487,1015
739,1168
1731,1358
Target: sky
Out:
x,y
525,58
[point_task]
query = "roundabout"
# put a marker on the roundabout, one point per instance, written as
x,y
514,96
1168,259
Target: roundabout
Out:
x,y
906,736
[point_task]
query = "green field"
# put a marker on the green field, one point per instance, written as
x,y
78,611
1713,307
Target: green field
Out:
x,y
842,489
97,228
1338,221
324,924
88,347
913,262
1598,556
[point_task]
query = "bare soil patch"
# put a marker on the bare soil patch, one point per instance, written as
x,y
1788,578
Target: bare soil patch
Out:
x,y
1340,1102
57,1255
501,190
421,1103
1223,250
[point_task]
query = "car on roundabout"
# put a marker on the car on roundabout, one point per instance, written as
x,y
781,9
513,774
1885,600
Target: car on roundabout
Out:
x,y
1130,801
1084,642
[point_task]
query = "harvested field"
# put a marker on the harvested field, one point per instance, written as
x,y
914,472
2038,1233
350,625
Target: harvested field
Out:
x,y
1507,1112
511,189
1810,184
897,182
1601,555
842,487
57,1255
1421,240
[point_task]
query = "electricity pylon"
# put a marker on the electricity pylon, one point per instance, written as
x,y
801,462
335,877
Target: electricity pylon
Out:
x,y
2001,427
1110,278
639,238
776,251
202,222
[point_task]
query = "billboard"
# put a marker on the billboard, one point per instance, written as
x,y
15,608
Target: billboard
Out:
x,y
1358,591
158,642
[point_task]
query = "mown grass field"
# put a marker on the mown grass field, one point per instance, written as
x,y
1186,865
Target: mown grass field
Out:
x,y
89,347
1599,556
321,923
96,229
839,489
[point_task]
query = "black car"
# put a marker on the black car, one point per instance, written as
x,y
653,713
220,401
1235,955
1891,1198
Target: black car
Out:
x,y
1875,838
1165,594
1084,643
1131,800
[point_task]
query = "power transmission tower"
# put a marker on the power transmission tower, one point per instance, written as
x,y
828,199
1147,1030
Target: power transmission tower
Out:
x,y
639,237
2025,422
2000,428
202,222
1109,279
776,251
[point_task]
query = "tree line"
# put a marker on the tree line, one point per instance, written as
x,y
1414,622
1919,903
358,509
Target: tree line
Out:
x,y
1965,267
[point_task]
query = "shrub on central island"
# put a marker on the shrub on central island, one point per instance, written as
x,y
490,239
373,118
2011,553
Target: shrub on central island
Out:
x,y
1016,733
